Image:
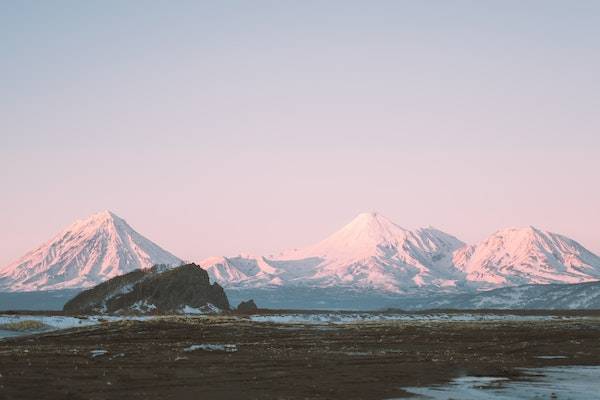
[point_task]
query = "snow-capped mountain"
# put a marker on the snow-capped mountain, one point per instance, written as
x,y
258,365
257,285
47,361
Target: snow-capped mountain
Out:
x,y
555,296
86,253
371,252
374,253
244,270
518,256
370,255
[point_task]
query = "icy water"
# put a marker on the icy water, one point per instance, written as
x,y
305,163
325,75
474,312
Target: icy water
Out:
x,y
550,383
4,334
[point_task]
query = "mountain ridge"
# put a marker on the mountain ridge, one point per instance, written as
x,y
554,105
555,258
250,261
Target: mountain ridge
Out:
x,y
527,255
372,252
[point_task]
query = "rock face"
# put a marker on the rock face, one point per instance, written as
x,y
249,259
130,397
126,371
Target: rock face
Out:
x,y
247,307
184,289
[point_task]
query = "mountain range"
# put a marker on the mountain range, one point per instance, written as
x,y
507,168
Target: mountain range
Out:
x,y
371,254
554,296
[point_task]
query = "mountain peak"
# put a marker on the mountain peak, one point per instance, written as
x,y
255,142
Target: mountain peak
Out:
x,y
519,230
373,222
370,251
525,237
523,255
368,215
103,216
85,253
367,230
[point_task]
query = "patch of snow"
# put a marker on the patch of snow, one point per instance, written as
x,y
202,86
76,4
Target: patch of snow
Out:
x,y
207,309
345,318
191,310
62,322
142,306
551,357
571,382
228,348
98,353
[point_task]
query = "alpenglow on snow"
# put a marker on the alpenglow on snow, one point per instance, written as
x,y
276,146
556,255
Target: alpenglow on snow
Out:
x,y
84,254
374,253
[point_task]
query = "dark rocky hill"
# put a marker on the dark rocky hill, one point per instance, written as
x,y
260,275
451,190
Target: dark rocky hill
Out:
x,y
184,289
247,307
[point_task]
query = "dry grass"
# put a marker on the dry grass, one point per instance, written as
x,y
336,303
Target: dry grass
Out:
x,y
27,325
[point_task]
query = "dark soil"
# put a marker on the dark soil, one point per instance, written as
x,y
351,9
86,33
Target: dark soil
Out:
x,y
146,360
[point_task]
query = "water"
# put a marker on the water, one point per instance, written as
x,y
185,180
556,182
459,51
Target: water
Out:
x,y
5,334
550,383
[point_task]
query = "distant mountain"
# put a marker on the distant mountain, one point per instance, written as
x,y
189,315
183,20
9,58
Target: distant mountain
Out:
x,y
520,256
369,263
181,290
582,296
373,261
86,253
371,252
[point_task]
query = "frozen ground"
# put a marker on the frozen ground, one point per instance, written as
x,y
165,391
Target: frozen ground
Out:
x,y
228,348
65,322
56,322
570,382
188,357
343,318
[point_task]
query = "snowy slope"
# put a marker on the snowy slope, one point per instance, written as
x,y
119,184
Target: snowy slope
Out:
x,y
371,252
374,253
243,270
519,256
576,296
84,254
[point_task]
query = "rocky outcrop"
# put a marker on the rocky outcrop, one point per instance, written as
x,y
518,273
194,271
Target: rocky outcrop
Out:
x,y
247,307
184,289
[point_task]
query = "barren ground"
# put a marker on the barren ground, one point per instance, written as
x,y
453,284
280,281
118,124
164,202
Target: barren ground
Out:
x,y
146,359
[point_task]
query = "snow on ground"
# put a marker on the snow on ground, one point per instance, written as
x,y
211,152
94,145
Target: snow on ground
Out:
x,y
191,310
64,322
343,318
228,348
98,353
571,382
207,309
55,322
142,306
60,322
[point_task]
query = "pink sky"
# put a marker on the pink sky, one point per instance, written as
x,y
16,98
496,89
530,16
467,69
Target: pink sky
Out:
x,y
261,128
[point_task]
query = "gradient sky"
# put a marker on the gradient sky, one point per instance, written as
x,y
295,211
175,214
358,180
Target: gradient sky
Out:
x,y
221,127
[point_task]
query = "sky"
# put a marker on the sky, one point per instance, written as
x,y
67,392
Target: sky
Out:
x,y
220,127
